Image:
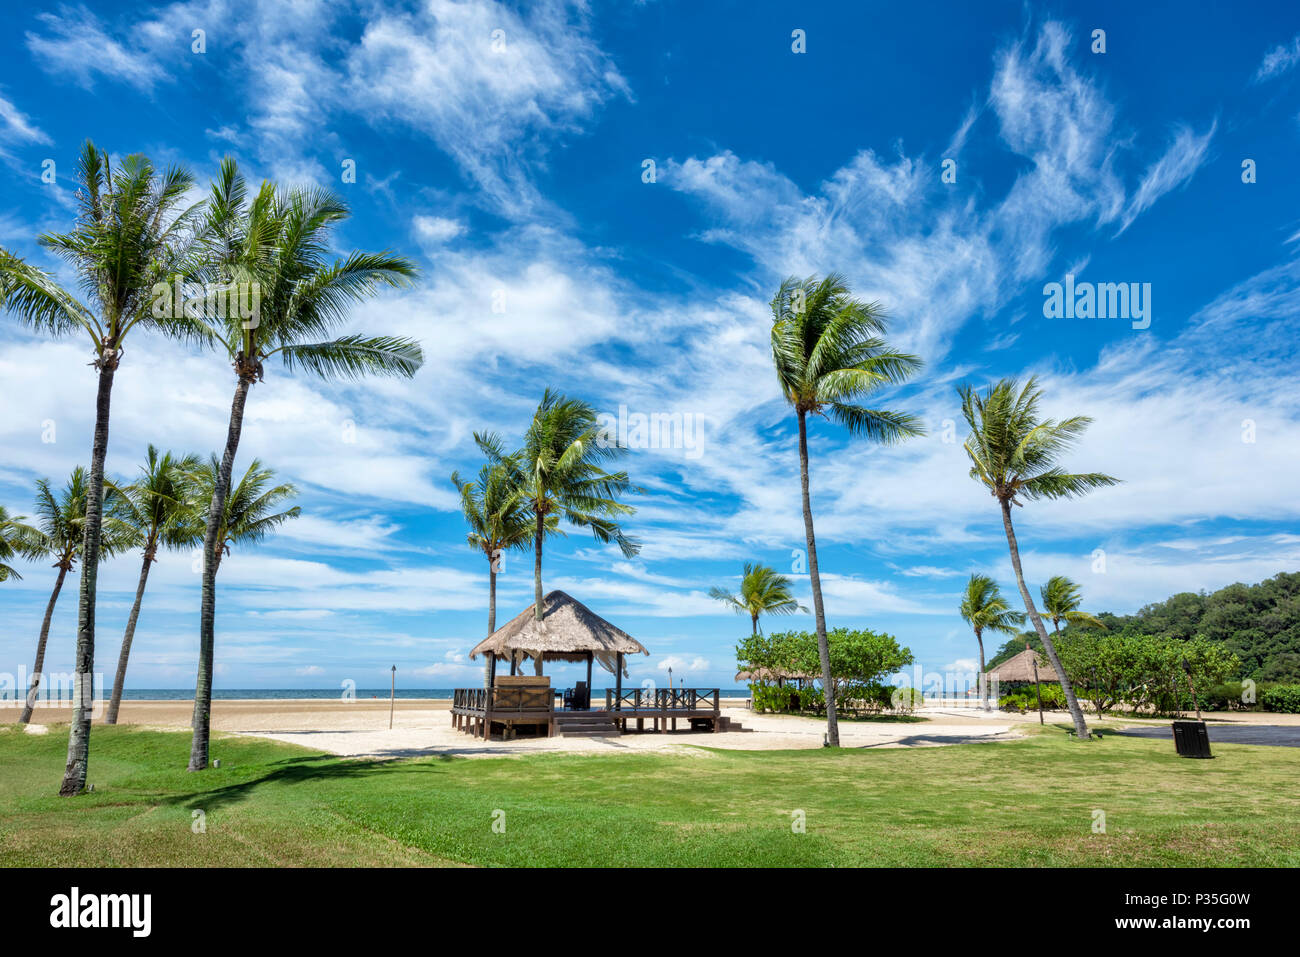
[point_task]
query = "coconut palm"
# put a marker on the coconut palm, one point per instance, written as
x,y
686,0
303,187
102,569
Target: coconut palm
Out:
x,y
1061,600
17,540
761,590
276,246
560,472
250,512
984,609
156,507
829,355
131,233
499,520
1015,454
60,534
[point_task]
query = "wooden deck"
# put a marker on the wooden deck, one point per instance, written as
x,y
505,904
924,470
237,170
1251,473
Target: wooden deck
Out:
x,y
479,711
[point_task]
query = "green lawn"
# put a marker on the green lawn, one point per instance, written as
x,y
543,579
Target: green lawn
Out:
x,y
1028,802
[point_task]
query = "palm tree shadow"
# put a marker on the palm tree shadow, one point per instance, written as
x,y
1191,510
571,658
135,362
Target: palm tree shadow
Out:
x,y
302,770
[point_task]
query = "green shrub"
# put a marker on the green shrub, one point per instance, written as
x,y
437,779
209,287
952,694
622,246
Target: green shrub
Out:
x,y
1284,699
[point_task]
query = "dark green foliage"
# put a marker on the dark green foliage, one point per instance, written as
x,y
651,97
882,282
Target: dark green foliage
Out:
x,y
1284,699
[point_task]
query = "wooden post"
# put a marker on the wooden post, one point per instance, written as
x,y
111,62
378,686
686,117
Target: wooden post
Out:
x,y
492,679
618,680
392,698
590,657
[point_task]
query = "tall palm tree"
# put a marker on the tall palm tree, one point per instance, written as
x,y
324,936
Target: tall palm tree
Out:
x,y
155,506
829,354
17,540
1015,454
499,520
60,534
984,609
1061,600
277,244
761,590
131,234
560,471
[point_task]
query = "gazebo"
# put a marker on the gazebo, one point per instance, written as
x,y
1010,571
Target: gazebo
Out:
x,y
777,676
1019,669
570,631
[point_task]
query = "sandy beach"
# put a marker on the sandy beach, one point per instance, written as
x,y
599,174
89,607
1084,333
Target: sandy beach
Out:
x,y
423,727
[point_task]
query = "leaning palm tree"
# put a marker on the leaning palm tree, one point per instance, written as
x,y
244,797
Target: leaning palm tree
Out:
x,y
762,589
499,520
60,534
1061,600
984,609
17,540
1015,455
829,354
560,472
156,507
276,246
131,234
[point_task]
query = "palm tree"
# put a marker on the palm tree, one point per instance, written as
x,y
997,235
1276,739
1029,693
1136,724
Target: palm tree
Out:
x,y
1015,455
499,519
1061,600
17,539
156,508
984,609
60,534
829,354
277,245
560,472
761,590
131,234
250,512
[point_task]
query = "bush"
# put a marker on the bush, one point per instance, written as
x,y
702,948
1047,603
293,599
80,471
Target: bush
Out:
x,y
1284,699
1026,699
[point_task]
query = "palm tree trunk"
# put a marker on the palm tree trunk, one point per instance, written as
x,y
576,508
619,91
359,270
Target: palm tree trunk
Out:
x,y
492,618
823,646
202,720
754,620
537,582
983,679
1076,713
74,774
40,647
116,702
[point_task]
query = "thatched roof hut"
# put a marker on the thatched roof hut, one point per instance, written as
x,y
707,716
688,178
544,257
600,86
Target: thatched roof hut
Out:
x,y
1021,668
775,674
568,631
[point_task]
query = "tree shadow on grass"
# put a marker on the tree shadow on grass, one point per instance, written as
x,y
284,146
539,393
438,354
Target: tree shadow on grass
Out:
x,y
302,770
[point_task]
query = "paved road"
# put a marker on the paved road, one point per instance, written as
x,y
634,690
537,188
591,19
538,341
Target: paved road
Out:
x,y
1280,735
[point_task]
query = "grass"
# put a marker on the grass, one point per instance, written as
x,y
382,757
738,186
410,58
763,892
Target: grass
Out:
x,y
1028,802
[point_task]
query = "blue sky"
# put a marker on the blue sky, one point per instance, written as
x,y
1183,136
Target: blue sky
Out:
x,y
513,171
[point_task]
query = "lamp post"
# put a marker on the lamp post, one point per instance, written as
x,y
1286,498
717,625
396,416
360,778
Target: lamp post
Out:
x,y
392,698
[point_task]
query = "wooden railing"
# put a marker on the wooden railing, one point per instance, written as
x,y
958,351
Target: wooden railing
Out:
x,y
519,698
663,699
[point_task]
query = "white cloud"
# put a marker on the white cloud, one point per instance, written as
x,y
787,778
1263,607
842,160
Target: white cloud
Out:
x,y
1278,61
77,44
17,126
437,229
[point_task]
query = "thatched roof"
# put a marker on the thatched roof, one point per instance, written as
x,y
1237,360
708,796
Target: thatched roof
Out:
x,y
568,631
772,674
1021,668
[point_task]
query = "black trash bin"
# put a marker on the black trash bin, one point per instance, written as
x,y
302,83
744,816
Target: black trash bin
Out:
x,y
1191,739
